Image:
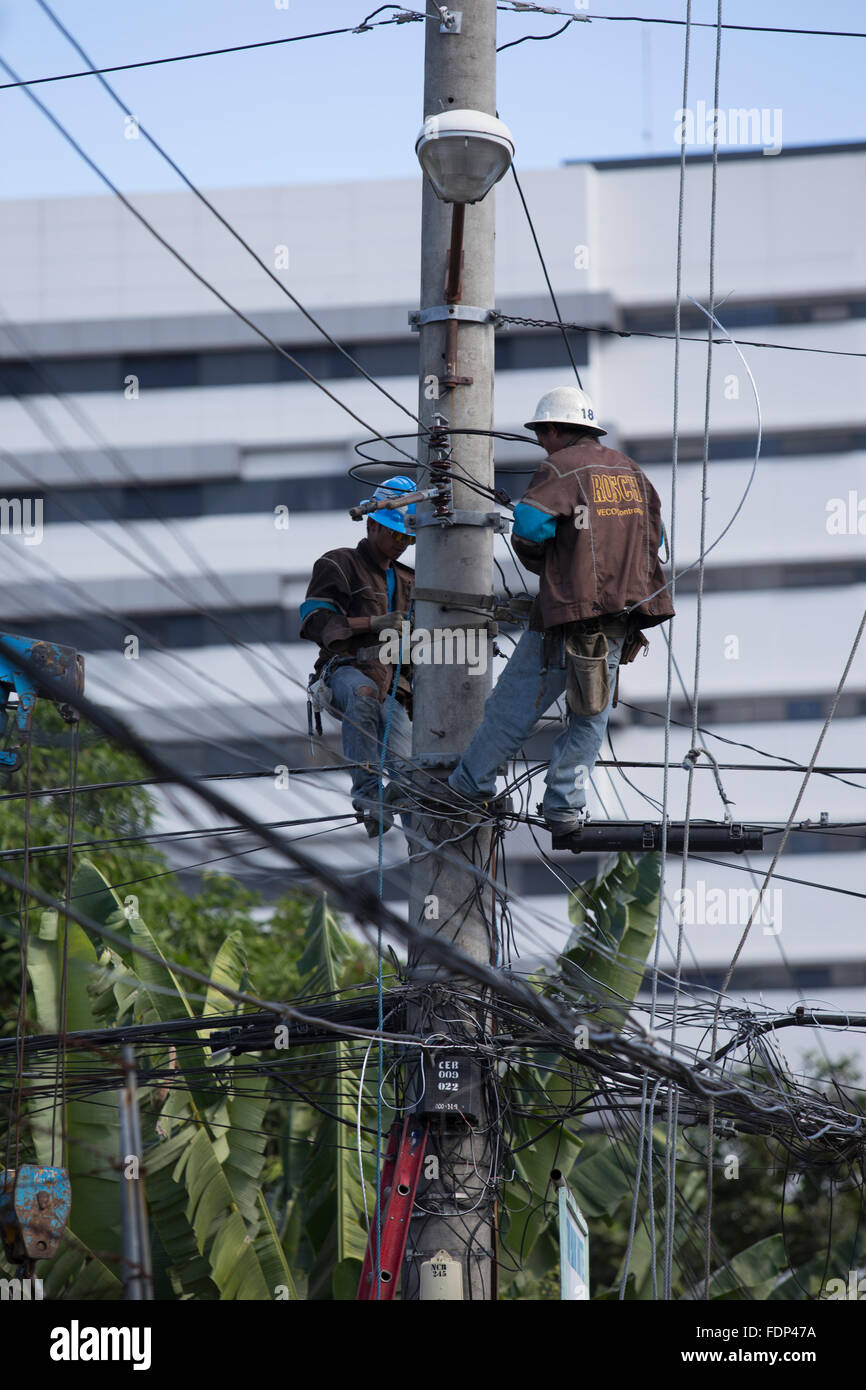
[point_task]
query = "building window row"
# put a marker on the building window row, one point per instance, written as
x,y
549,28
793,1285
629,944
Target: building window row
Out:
x,y
316,491
731,448
98,632
260,366
757,313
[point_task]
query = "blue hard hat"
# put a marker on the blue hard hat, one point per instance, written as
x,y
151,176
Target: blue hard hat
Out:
x,y
394,520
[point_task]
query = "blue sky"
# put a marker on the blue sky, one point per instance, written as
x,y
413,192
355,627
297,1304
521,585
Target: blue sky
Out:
x,y
349,107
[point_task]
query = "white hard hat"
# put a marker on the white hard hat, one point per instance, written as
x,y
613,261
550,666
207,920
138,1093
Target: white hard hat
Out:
x,y
566,405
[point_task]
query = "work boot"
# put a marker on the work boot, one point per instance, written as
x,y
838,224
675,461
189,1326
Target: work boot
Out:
x,y
497,804
562,830
377,816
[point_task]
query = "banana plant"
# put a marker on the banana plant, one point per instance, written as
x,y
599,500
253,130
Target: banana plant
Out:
x,y
614,927
203,1136
91,1127
333,1198
614,922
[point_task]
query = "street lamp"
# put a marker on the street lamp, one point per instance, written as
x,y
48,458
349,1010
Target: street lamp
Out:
x,y
464,153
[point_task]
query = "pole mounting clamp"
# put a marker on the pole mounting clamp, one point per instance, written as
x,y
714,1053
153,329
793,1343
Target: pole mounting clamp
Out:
x,y
451,599
450,20
461,517
436,313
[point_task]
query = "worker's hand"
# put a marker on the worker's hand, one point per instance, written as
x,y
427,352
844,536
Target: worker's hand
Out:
x,y
387,620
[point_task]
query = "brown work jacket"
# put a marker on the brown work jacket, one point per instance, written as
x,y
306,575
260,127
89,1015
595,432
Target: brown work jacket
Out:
x,y
353,585
603,559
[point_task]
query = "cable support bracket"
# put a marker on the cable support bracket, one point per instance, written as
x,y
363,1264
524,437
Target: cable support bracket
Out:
x,y
462,517
436,760
451,599
490,611
437,313
482,622
451,21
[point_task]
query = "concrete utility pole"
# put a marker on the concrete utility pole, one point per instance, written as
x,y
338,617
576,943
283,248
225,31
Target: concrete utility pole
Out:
x,y
454,559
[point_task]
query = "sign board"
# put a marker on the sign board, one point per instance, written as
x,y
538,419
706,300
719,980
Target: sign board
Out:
x,y
452,1082
573,1248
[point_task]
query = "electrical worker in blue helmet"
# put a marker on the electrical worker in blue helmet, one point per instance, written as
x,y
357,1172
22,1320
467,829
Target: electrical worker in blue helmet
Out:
x,y
354,595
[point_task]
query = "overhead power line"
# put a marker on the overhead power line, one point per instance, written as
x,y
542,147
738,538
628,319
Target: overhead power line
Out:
x,y
523,322
181,259
407,17
521,7
538,38
547,279
223,220
782,878
412,16
314,770
152,837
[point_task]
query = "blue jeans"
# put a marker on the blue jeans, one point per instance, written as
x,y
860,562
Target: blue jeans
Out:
x,y
364,721
520,697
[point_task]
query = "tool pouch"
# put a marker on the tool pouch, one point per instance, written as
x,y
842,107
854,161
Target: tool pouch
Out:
x,y
587,688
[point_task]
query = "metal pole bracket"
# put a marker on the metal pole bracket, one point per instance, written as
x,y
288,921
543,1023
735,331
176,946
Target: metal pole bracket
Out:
x,y
461,517
437,313
451,21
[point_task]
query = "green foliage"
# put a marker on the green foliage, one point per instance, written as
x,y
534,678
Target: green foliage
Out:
x,y
92,1127
189,927
614,929
223,1166
324,1223
770,1225
819,1208
203,1156
75,1274
103,815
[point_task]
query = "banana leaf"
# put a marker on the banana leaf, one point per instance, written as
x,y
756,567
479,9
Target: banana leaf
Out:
x,y
614,930
92,1127
332,1187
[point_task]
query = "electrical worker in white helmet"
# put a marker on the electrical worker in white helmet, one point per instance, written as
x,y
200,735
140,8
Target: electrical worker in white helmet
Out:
x,y
353,596
589,525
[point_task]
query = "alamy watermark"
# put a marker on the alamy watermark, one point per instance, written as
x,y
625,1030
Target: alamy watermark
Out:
x,y
22,516
736,126
21,1290
77,1343
438,646
728,907
846,516
853,1288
